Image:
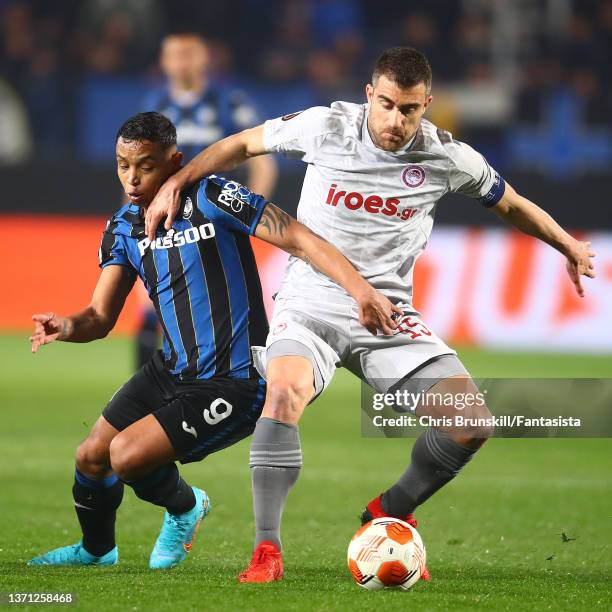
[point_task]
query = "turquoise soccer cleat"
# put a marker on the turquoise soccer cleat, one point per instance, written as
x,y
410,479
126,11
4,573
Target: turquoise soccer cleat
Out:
x,y
178,532
75,554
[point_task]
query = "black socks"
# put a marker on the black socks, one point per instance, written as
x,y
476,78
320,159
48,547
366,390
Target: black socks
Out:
x,y
165,487
96,503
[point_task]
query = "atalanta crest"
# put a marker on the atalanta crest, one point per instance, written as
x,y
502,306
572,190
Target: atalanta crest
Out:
x,y
188,208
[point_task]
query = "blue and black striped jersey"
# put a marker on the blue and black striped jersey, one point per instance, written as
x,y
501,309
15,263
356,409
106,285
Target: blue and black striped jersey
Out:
x,y
201,277
219,112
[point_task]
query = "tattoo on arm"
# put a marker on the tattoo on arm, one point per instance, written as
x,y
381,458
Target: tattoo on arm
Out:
x,y
66,329
275,220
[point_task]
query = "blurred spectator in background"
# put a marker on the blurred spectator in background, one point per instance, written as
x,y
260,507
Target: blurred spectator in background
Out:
x,y
118,35
202,109
18,42
32,63
332,19
15,144
472,49
296,53
203,112
420,30
330,78
584,57
284,53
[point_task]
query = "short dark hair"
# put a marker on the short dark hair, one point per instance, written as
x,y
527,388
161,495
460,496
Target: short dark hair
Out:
x,y
184,32
149,126
405,66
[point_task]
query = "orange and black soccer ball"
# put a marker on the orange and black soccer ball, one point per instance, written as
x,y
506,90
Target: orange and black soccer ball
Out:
x,y
386,553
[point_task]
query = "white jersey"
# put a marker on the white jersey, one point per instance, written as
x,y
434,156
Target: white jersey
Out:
x,y
375,206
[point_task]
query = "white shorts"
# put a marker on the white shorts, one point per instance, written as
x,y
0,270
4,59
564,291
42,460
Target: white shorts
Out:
x,y
331,332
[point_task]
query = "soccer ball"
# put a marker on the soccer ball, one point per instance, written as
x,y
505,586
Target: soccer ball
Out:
x,y
386,552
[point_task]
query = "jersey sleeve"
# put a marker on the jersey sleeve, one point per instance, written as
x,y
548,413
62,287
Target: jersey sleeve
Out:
x,y
470,174
298,134
112,248
230,204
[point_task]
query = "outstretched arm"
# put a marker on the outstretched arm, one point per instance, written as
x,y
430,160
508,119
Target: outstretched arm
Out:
x,y
93,322
221,156
531,219
282,230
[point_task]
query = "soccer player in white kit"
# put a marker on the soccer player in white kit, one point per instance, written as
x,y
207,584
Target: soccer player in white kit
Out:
x,y
375,174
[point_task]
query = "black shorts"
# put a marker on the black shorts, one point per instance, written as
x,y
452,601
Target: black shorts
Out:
x,y
199,417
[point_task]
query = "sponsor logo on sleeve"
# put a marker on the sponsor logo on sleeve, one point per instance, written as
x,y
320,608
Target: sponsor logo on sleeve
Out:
x,y
235,196
232,198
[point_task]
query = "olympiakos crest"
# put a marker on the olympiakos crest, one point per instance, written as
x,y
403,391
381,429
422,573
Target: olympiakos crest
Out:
x,y
281,327
413,176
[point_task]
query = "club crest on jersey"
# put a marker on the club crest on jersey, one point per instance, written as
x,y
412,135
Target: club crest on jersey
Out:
x,y
413,176
188,208
281,327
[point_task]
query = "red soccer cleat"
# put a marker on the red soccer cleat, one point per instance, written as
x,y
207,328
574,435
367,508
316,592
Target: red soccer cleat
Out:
x,y
266,565
375,510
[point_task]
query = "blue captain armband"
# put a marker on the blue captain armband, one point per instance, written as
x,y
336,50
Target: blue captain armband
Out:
x,y
495,193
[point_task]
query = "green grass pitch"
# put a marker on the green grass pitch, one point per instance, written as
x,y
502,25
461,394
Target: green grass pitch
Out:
x,y
488,534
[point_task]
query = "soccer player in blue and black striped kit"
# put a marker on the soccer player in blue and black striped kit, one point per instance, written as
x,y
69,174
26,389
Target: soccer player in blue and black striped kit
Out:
x,y
201,392
203,111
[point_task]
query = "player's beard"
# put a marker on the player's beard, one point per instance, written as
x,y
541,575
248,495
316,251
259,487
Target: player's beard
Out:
x,y
387,144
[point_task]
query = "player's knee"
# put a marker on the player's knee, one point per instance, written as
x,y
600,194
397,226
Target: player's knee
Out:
x,y
126,459
478,428
286,400
92,457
